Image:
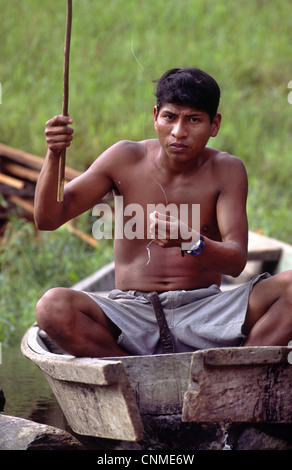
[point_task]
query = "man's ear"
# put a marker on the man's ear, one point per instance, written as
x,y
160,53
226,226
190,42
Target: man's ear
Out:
x,y
215,126
155,114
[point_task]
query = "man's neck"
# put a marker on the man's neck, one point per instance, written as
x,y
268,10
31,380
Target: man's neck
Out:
x,y
173,167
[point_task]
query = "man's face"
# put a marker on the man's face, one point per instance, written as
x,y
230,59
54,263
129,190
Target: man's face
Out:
x,y
183,131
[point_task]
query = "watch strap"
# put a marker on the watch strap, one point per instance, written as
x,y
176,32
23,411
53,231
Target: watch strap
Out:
x,y
196,249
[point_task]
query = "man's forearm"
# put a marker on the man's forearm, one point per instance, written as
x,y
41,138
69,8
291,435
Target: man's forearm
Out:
x,y
47,210
227,257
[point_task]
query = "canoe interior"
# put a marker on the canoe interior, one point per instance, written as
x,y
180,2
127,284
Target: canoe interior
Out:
x,y
109,397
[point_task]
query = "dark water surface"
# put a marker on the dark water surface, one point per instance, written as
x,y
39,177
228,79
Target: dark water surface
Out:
x,y
29,396
26,390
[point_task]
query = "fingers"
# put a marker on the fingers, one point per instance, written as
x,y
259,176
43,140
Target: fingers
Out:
x,y
169,231
163,229
58,133
59,121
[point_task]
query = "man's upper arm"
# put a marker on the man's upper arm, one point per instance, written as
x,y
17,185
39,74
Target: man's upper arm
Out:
x,y
82,193
231,204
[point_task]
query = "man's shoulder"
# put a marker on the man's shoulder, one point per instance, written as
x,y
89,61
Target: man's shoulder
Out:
x,y
123,156
120,153
226,160
126,147
230,171
221,156
129,150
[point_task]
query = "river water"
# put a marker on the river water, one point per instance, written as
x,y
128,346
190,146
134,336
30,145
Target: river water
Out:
x,y
26,390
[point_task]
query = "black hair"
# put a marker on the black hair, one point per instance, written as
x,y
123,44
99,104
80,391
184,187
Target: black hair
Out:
x,y
189,87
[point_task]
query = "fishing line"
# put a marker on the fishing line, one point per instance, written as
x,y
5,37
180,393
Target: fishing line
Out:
x,y
166,202
143,70
161,187
134,55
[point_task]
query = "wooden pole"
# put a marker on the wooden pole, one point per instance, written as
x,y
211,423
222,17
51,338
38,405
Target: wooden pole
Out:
x,y
62,159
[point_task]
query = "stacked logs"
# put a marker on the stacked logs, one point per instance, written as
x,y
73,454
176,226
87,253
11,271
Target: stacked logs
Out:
x,y
19,172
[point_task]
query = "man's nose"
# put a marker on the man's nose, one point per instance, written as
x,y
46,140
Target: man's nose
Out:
x,y
179,129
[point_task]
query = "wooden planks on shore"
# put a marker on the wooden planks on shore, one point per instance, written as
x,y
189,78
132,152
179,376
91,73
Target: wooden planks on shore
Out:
x,y
19,172
31,161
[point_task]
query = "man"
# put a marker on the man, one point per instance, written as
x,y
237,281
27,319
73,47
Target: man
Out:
x,y
174,170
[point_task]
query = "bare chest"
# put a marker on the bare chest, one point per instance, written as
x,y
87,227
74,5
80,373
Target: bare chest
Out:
x,y
141,192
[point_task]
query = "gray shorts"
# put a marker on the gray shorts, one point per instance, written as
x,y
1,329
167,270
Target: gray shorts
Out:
x,y
197,319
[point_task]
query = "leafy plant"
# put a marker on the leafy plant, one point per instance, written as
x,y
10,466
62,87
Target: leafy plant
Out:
x,y
32,262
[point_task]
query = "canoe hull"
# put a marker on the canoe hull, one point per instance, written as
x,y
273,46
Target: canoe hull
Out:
x,y
111,397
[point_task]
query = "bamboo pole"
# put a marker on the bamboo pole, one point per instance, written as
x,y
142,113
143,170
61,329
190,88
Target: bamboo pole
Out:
x,y
62,159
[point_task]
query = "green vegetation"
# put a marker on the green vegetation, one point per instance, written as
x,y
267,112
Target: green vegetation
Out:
x,y
32,263
118,48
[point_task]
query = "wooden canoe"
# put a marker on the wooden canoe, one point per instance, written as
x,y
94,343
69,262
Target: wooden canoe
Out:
x,y
110,397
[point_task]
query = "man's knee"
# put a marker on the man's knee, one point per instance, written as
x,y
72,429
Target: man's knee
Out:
x,y
284,288
284,280
270,293
51,309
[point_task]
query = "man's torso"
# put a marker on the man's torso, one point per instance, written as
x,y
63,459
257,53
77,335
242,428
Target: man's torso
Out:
x,y
139,262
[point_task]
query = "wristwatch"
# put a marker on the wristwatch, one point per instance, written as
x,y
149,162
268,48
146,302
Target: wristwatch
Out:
x,y
196,249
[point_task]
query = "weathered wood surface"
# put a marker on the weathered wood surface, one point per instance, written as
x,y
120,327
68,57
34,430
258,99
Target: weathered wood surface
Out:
x,y
19,172
110,398
11,181
107,397
30,161
263,248
159,382
22,434
95,395
240,385
107,411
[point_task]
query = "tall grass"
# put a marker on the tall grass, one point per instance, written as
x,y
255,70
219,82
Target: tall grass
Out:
x,y
118,48
31,263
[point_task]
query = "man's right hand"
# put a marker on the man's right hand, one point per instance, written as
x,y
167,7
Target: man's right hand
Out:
x,y
58,134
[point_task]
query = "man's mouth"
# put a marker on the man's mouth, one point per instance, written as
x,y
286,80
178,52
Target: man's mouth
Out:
x,y
178,146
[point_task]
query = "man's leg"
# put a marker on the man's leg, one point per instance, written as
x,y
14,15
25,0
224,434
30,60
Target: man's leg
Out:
x,y
77,324
269,316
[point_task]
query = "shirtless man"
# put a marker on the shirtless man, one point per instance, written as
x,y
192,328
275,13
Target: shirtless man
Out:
x,y
176,168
